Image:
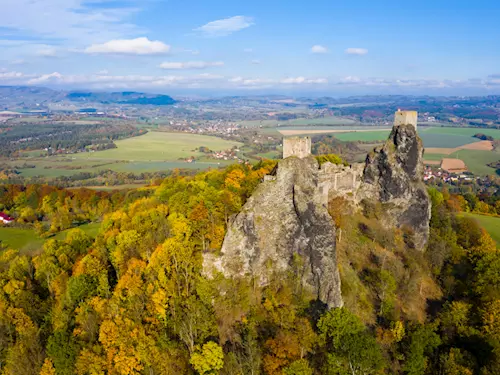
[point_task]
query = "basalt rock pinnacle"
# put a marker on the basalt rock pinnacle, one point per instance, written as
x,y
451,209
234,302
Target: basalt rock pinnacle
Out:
x,y
284,218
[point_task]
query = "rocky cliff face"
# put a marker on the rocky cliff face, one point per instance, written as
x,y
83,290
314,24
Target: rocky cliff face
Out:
x,y
393,175
285,217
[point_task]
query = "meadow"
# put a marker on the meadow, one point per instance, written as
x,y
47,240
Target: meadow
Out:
x,y
476,160
26,240
331,120
154,151
160,146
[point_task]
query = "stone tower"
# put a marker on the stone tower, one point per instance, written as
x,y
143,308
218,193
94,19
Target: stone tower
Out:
x,y
405,118
296,146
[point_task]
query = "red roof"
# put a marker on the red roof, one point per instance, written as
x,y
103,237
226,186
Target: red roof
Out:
x,y
5,217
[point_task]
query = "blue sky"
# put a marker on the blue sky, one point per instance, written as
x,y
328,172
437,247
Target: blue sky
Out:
x,y
292,47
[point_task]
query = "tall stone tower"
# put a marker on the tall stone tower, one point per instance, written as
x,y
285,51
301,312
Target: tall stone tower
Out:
x,y
296,146
405,118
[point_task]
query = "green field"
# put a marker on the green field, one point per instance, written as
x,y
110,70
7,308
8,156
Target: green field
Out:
x,y
26,240
154,151
376,135
489,223
476,160
452,137
332,120
435,157
160,146
468,132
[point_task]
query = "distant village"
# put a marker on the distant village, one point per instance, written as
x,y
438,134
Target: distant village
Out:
x,y
438,174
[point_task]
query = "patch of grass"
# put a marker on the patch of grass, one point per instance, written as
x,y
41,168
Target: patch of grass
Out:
x,y
490,223
435,157
270,155
468,132
375,135
26,240
20,239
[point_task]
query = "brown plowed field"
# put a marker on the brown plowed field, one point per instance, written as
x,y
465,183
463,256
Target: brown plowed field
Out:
x,y
453,165
481,145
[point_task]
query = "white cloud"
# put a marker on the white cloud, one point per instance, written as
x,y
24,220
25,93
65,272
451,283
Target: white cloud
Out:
x,y
255,62
68,20
47,52
303,80
5,75
45,78
138,46
190,65
107,81
225,26
350,79
356,51
319,49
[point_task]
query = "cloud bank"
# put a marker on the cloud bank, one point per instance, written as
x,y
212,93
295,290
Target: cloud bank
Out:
x,y
319,49
225,26
190,65
138,46
356,51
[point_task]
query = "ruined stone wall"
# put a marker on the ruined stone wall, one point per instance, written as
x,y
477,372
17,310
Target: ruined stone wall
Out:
x,y
296,146
340,181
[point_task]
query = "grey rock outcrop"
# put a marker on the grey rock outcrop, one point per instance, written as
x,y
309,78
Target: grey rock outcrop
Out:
x,y
393,175
287,215
284,217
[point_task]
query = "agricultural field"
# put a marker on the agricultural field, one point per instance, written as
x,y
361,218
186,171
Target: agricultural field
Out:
x,y
490,223
154,151
371,136
26,240
160,147
332,120
440,143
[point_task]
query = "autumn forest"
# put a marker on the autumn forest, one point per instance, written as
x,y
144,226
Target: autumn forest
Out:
x,y
135,299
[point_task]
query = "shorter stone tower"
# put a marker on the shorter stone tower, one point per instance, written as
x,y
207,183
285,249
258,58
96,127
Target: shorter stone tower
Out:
x,y
405,118
296,146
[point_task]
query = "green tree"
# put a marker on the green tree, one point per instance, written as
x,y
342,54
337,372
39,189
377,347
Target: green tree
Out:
x,y
208,360
420,343
63,350
351,348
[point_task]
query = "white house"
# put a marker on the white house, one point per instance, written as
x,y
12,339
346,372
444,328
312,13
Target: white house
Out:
x,y
6,219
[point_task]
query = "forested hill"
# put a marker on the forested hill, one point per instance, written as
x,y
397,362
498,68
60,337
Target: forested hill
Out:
x,y
126,97
134,300
32,97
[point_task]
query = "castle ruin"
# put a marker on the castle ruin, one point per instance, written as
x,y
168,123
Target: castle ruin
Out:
x,y
338,180
297,146
405,118
287,214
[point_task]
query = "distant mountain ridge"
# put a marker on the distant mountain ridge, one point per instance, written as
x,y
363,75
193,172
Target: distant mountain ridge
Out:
x,y
34,97
125,97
